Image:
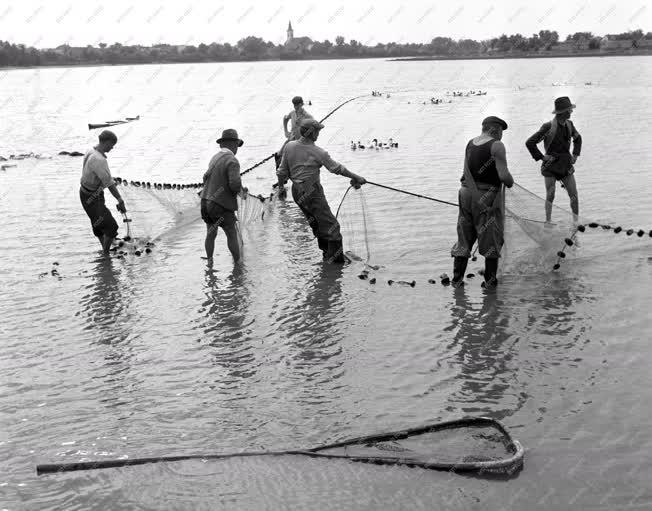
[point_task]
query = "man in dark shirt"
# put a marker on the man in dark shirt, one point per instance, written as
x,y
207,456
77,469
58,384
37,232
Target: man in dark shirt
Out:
x,y
558,162
219,195
480,201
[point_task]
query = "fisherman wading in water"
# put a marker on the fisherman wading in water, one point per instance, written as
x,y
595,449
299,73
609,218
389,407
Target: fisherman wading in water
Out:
x,y
481,202
295,117
219,195
301,162
95,178
558,162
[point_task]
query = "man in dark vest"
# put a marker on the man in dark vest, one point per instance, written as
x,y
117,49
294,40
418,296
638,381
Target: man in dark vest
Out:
x,y
301,162
481,202
219,195
558,162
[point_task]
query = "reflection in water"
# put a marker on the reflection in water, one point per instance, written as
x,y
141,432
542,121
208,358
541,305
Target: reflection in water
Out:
x,y
224,325
109,320
485,351
316,341
105,304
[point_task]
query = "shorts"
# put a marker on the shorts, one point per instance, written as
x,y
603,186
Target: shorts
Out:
x,y
102,221
479,220
212,213
311,200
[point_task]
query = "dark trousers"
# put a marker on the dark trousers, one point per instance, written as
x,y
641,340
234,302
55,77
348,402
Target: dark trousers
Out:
x,y
102,221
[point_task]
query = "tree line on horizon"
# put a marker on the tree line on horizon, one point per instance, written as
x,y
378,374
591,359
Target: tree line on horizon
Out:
x,y
254,48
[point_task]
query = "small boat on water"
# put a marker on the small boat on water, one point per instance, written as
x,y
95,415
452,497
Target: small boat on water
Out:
x,y
108,124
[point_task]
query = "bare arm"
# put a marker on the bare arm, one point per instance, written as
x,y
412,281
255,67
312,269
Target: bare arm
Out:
x,y
286,118
500,157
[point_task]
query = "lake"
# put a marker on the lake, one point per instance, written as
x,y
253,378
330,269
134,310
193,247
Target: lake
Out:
x,y
159,356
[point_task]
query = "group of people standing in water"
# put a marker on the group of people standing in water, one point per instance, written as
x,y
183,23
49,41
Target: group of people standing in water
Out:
x,y
480,216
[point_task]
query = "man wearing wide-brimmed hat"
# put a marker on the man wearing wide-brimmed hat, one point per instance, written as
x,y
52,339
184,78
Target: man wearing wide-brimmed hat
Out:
x,y
219,195
558,162
300,162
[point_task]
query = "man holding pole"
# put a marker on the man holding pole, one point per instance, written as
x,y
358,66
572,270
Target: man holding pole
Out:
x,y
95,178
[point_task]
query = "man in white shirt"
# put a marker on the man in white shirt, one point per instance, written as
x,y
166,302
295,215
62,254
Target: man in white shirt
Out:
x,y
296,117
95,178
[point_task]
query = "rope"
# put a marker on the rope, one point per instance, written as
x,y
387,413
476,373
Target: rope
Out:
x,y
246,171
413,194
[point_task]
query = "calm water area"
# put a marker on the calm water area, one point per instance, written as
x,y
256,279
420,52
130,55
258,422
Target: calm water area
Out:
x,y
159,356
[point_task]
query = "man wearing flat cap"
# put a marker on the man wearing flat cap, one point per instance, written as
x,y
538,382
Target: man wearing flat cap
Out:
x,y
558,161
481,202
219,195
300,162
296,116
95,178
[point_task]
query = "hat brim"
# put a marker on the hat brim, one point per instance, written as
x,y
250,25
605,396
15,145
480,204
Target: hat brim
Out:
x,y
572,107
240,141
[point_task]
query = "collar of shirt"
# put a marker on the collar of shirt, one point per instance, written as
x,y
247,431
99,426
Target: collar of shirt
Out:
x,y
226,150
99,152
306,141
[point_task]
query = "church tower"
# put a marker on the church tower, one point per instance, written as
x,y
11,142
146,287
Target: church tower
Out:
x,y
290,32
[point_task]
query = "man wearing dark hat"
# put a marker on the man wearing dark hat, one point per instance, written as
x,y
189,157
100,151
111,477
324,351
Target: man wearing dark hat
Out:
x,y
481,202
95,178
300,162
558,162
219,195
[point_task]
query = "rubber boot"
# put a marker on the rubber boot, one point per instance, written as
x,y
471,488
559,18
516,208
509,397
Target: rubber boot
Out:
x,y
335,252
459,269
323,246
490,270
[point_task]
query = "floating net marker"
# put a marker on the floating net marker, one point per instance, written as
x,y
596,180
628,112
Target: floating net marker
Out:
x,y
476,444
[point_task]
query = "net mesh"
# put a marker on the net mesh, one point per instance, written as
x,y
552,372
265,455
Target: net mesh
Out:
x,y
157,213
455,445
408,236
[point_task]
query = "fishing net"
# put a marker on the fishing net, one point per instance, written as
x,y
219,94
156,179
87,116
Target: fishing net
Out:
x,y
407,236
159,211
478,444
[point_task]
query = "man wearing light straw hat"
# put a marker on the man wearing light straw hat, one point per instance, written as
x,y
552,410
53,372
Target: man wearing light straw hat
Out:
x,y
558,162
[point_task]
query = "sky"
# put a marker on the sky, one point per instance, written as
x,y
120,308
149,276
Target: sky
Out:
x,y
49,23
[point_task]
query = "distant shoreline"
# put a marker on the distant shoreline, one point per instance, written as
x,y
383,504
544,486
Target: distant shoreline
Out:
x,y
547,55
484,56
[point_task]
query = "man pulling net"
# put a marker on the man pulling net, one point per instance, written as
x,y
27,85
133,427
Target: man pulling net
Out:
x,y
480,201
300,162
96,176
